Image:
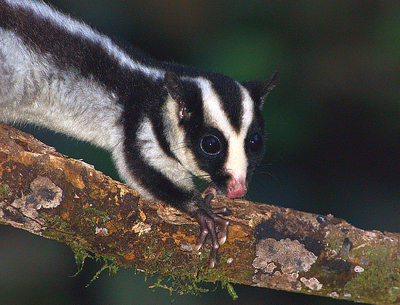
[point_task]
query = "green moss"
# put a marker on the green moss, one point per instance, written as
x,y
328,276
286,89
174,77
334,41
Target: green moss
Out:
x,y
4,191
230,289
80,256
58,229
380,280
178,286
334,240
180,280
186,279
109,263
97,212
55,222
174,283
94,217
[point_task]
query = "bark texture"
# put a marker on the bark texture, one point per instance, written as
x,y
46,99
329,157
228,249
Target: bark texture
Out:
x,y
46,193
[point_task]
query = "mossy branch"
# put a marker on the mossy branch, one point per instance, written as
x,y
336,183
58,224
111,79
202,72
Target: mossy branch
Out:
x,y
46,193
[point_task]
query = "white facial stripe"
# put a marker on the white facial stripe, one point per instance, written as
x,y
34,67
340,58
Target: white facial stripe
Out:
x,y
176,138
237,159
248,110
214,114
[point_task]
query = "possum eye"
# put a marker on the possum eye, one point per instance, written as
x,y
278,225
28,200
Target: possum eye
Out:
x,y
211,145
255,143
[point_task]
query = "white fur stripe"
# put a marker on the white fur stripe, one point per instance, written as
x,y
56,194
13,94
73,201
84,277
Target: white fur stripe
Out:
x,y
176,138
248,109
214,114
237,160
78,28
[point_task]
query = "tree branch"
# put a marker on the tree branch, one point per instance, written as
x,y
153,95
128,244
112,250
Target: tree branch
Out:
x,y
46,193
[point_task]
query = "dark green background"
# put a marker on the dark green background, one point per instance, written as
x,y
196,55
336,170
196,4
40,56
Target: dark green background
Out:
x,y
333,125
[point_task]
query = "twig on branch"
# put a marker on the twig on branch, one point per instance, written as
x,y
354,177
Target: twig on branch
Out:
x,y
46,193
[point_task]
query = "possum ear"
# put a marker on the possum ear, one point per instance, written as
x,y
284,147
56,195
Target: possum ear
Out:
x,y
259,89
175,89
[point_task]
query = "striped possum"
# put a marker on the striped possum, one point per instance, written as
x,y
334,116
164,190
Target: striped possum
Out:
x,y
164,123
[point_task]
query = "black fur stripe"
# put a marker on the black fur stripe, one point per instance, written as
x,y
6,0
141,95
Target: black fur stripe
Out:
x,y
231,97
67,49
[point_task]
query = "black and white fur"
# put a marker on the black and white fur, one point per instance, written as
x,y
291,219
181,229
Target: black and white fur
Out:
x,y
163,122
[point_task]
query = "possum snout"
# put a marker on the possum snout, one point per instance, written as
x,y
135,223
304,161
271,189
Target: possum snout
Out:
x,y
236,187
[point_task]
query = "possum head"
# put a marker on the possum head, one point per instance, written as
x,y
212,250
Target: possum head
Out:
x,y
218,131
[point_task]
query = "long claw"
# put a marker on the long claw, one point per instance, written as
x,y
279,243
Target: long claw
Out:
x,y
207,222
202,237
213,257
222,211
223,230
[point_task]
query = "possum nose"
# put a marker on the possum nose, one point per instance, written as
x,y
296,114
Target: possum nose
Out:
x,y
236,187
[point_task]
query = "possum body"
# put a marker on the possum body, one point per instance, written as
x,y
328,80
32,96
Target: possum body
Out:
x,y
163,123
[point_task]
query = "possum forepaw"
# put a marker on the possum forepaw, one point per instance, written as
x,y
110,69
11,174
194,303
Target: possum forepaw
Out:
x,y
207,222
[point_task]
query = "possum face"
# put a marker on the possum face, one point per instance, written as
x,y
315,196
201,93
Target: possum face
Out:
x,y
222,128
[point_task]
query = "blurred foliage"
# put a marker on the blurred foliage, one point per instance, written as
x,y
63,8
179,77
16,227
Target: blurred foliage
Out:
x,y
333,122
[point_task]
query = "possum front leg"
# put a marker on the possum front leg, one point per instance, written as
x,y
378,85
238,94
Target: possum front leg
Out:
x,y
207,218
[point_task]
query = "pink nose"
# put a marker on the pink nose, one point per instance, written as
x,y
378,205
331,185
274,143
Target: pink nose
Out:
x,y
236,188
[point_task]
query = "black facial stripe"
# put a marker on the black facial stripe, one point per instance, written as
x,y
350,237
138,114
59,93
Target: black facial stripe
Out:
x,y
193,99
231,98
257,127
